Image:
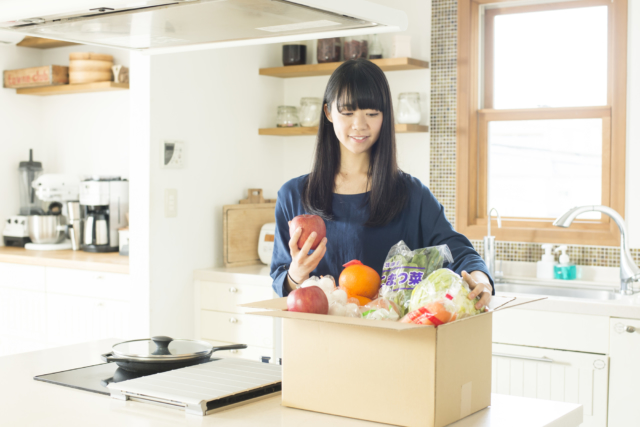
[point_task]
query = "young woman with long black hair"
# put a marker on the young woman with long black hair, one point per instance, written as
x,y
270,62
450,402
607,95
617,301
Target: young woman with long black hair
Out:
x,y
355,185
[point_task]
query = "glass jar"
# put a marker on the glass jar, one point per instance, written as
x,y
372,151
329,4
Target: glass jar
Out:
x,y
328,50
310,110
375,50
294,54
408,108
287,117
356,47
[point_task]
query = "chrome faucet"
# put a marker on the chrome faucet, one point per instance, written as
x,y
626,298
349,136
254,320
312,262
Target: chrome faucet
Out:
x,y
490,248
629,271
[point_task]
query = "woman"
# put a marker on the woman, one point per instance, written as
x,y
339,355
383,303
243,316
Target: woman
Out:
x,y
367,202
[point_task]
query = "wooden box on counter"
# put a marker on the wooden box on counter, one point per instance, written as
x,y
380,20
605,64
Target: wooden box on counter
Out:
x,y
48,75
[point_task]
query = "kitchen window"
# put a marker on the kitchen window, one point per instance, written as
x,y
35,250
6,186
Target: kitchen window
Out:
x,y
541,117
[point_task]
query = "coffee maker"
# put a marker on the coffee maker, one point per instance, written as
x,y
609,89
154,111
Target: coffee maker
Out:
x,y
104,203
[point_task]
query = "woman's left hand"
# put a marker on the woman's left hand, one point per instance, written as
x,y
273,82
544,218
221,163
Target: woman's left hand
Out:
x,y
480,285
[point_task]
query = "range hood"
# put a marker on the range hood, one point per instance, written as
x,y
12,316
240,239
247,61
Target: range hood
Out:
x,y
164,26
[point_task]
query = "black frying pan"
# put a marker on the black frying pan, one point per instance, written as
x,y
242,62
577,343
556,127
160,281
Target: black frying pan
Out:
x,y
159,365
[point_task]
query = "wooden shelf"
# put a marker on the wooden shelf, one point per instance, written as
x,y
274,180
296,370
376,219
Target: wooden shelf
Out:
x,y
42,43
387,64
77,88
297,131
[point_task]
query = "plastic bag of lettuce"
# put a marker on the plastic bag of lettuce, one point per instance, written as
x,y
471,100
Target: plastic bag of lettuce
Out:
x,y
445,284
404,269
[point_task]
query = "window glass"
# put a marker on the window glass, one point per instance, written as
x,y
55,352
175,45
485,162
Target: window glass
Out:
x,y
542,168
555,58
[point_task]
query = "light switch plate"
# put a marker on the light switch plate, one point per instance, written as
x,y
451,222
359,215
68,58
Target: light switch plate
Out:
x,y
170,202
173,154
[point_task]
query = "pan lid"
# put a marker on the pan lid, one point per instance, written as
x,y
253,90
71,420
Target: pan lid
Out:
x,y
161,348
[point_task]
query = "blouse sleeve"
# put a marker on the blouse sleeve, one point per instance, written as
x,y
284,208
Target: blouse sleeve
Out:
x,y
437,230
281,258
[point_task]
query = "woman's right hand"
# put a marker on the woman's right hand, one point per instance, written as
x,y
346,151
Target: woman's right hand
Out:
x,y
302,264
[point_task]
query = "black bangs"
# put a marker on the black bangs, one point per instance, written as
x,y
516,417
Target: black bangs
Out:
x,y
359,87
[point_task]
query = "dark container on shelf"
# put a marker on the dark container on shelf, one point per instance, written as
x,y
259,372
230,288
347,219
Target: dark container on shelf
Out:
x,y
294,54
356,47
329,50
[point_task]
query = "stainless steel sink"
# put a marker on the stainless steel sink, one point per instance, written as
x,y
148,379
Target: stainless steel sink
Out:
x,y
558,292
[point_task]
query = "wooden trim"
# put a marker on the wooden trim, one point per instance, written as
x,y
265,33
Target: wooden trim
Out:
x,y
547,113
313,130
488,60
42,43
75,88
472,155
542,6
326,69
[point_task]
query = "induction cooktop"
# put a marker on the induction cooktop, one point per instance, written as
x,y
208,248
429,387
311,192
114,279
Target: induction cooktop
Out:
x,y
93,378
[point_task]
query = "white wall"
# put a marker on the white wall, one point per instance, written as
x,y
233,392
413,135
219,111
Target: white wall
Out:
x,y
632,184
86,134
215,101
20,127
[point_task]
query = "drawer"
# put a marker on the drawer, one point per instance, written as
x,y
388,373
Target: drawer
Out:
x,y
93,284
252,352
26,277
237,328
226,297
23,314
563,331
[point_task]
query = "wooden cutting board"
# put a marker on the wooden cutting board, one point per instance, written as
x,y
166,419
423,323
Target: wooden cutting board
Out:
x,y
241,231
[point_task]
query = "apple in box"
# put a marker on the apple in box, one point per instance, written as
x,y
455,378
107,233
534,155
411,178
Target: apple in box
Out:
x,y
309,224
311,299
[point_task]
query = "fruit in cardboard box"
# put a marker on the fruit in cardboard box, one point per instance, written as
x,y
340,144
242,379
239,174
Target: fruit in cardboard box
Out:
x,y
359,280
311,299
309,224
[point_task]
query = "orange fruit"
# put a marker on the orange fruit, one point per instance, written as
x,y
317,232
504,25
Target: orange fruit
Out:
x,y
362,300
358,280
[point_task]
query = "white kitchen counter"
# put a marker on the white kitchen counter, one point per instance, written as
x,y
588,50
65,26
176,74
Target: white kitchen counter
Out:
x,y
26,402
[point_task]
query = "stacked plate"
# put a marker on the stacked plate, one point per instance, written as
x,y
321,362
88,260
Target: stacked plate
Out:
x,y
88,67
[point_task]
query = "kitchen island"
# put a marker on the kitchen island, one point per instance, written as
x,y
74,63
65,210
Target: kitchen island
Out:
x,y
26,402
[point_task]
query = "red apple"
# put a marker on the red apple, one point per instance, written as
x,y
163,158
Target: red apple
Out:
x,y
309,224
311,299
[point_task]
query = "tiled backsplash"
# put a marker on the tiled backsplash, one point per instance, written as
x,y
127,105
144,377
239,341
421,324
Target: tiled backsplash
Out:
x,y
598,256
444,34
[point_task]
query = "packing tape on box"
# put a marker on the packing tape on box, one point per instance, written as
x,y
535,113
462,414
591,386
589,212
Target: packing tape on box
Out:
x,y
465,399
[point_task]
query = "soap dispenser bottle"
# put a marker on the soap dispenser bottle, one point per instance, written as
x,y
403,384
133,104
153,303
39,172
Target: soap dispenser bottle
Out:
x,y
545,267
564,270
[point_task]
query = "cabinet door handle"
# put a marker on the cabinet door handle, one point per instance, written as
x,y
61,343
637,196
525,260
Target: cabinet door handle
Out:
x,y
233,320
100,277
535,359
630,329
233,289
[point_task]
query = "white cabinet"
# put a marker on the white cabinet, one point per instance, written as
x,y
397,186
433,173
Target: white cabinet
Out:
x,y
221,321
73,319
624,395
564,376
42,307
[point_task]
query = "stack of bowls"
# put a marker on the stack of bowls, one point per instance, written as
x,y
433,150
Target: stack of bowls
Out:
x,y
88,67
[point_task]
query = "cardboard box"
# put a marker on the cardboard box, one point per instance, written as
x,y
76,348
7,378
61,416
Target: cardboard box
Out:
x,y
47,75
387,372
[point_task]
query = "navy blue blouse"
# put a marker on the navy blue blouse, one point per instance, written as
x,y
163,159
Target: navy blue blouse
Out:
x,y
421,224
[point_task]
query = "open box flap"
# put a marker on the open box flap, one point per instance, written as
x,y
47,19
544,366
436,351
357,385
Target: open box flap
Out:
x,y
510,302
368,323
278,308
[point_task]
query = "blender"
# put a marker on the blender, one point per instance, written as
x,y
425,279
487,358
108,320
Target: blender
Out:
x,y
16,230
